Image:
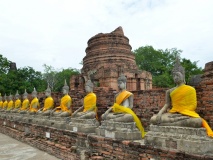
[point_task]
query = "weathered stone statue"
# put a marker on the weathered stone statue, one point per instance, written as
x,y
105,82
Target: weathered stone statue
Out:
x,y
122,108
1,102
48,103
183,102
10,103
64,110
25,104
17,102
5,104
89,106
34,105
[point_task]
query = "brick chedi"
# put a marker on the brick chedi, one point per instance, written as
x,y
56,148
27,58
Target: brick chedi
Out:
x,y
107,57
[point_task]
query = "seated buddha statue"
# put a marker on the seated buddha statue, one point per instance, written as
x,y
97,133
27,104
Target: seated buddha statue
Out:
x,y
34,104
48,103
5,104
122,108
1,102
89,104
10,103
25,104
64,110
182,102
17,102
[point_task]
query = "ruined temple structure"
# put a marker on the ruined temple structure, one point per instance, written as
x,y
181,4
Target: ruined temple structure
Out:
x,y
107,57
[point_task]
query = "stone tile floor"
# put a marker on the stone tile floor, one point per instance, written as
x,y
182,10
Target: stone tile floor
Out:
x,y
11,149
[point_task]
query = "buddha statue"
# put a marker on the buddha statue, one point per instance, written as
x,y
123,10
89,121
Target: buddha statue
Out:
x,y
182,102
48,103
17,102
122,108
5,104
1,102
25,104
10,103
64,110
89,105
34,105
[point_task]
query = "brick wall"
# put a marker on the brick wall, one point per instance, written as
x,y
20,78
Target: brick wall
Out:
x,y
63,143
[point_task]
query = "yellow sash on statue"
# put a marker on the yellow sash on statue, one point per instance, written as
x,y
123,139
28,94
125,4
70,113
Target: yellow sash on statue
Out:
x,y
1,104
184,101
10,105
25,105
17,103
48,104
63,105
33,102
90,103
117,108
5,104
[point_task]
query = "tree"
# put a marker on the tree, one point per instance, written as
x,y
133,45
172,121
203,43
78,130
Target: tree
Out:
x,y
4,65
160,64
49,76
55,77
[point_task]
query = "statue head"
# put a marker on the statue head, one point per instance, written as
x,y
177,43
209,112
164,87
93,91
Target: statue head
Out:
x,y
65,87
17,96
25,94
89,86
10,97
5,97
34,93
178,72
48,91
0,97
122,82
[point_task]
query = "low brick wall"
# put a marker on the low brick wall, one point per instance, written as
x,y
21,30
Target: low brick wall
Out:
x,y
63,143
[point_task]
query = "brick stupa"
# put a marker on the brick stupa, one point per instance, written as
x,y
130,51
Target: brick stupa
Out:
x,y
107,57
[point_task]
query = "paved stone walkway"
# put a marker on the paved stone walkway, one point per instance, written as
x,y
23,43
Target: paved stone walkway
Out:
x,y
11,149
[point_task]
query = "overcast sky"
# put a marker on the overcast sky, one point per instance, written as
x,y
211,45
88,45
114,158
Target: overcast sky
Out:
x,y
55,32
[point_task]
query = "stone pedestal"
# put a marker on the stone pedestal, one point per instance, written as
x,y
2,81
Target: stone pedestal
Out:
x,y
58,122
83,125
185,139
119,130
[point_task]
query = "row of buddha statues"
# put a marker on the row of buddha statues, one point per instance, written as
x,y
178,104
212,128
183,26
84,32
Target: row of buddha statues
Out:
x,y
179,108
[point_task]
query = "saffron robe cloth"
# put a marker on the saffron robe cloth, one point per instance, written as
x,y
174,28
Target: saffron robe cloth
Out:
x,y
90,103
17,103
1,104
184,101
63,105
25,105
33,103
10,105
5,105
117,108
48,104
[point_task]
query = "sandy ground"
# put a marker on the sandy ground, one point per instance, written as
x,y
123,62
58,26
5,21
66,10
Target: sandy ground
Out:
x,y
11,149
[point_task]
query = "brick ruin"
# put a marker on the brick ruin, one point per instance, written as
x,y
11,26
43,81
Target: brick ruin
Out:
x,y
107,56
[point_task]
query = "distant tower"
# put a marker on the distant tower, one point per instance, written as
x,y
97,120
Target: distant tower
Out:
x,y
13,66
108,55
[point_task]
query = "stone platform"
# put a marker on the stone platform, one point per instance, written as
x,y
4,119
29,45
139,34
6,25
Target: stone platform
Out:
x,y
83,125
119,130
185,139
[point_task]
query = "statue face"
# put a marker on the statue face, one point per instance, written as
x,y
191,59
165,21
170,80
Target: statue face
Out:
x,y
17,97
33,95
178,77
88,89
65,91
121,85
47,94
0,98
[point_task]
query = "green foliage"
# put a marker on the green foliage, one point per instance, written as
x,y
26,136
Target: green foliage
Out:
x,y
56,78
160,64
4,65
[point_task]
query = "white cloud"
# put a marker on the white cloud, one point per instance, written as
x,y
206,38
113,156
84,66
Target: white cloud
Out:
x,y
55,32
